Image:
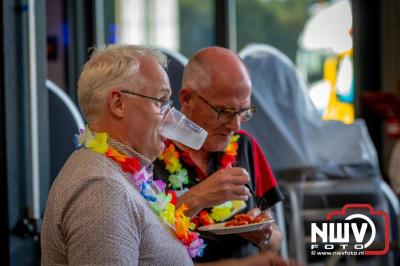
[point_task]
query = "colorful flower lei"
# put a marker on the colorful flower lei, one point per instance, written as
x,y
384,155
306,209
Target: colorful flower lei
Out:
x,y
163,204
179,176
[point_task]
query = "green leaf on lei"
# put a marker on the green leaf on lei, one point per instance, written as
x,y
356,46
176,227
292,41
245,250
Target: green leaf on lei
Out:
x,y
177,180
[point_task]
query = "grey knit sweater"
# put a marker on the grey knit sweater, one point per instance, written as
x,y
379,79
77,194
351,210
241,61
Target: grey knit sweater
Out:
x,y
94,216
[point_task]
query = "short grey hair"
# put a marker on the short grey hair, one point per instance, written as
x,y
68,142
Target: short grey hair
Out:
x,y
196,75
111,67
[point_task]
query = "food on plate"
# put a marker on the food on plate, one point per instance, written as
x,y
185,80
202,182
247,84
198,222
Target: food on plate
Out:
x,y
243,219
205,218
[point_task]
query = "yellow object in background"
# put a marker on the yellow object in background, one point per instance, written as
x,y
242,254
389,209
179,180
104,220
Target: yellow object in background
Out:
x,y
330,67
336,110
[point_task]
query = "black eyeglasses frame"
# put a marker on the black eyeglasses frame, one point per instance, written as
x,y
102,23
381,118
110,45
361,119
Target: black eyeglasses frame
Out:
x,y
165,105
219,110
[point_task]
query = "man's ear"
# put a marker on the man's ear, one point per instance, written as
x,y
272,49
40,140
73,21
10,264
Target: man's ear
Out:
x,y
115,103
185,95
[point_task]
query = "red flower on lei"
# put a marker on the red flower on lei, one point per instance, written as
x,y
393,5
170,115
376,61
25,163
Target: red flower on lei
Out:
x,y
229,157
128,164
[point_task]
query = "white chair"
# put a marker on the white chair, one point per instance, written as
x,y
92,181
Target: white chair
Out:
x,y
65,120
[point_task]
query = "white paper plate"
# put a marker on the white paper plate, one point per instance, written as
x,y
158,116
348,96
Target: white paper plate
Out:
x,y
220,229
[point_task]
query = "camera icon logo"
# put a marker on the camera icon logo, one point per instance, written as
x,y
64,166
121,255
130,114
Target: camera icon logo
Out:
x,y
356,229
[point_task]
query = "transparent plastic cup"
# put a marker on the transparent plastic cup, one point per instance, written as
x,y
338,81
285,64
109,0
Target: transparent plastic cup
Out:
x,y
177,127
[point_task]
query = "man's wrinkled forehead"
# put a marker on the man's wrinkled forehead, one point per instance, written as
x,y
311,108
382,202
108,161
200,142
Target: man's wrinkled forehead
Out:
x,y
165,92
230,82
227,72
152,74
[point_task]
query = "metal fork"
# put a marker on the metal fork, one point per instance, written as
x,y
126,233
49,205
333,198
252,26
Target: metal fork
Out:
x,y
261,203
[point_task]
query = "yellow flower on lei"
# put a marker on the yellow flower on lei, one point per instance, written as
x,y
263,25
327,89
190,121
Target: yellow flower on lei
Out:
x,y
171,158
168,214
98,143
183,223
173,165
232,147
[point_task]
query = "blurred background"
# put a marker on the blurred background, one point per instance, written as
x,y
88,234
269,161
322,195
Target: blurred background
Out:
x,y
346,53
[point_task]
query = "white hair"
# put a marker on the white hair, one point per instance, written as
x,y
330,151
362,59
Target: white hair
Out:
x,y
108,68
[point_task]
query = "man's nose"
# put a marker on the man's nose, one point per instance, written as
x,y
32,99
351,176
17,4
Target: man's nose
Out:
x,y
234,123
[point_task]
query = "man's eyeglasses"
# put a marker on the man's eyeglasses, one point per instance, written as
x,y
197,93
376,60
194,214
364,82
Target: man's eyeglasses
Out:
x,y
225,115
164,105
